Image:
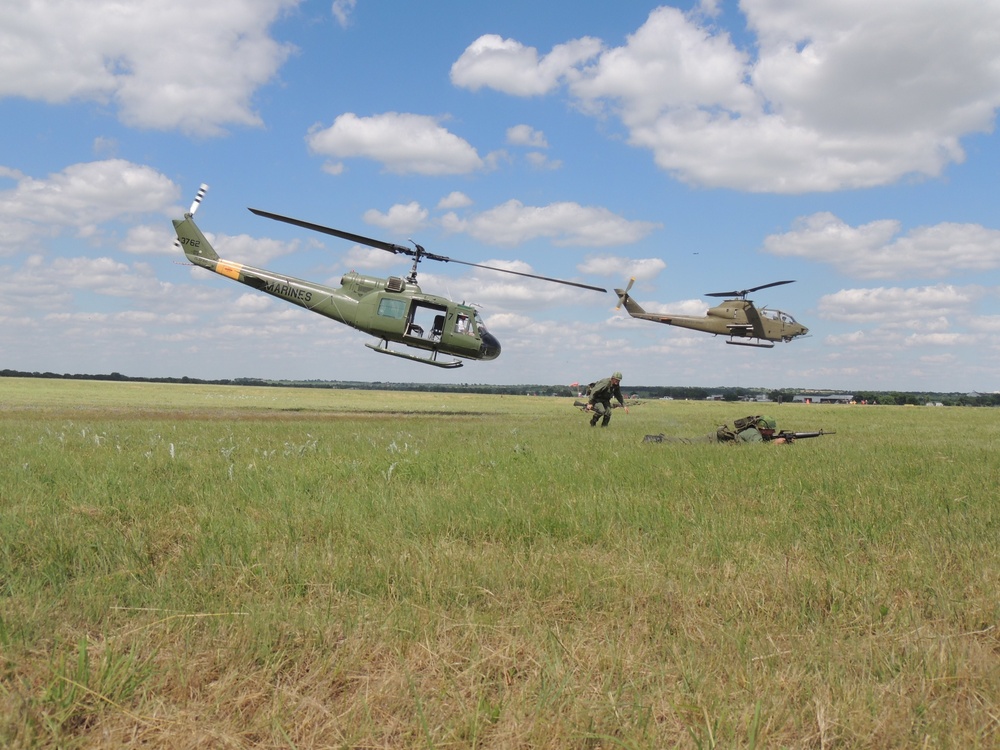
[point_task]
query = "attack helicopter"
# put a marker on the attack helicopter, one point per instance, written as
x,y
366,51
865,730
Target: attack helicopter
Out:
x,y
736,317
393,310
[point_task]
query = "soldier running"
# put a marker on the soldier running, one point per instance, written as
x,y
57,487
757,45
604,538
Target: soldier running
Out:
x,y
601,394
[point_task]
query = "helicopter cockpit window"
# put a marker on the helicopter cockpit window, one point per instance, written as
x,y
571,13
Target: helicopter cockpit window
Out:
x,y
392,308
778,315
462,325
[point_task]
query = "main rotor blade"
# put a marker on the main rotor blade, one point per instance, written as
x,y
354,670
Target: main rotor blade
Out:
x,y
516,273
745,292
360,239
403,249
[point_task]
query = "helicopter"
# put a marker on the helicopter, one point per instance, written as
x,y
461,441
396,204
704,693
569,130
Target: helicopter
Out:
x,y
736,317
393,310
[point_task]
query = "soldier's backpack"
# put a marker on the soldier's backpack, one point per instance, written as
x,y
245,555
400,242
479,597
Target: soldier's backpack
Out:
x,y
727,434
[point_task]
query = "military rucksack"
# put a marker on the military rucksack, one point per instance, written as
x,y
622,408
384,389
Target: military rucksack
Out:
x,y
724,434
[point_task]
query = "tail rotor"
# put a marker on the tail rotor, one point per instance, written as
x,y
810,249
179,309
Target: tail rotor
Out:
x,y
197,199
623,295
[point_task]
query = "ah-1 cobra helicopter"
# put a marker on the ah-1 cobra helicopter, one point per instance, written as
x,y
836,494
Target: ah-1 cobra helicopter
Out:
x,y
392,310
737,318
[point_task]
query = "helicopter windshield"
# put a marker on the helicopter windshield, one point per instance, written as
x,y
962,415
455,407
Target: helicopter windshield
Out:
x,y
778,315
469,325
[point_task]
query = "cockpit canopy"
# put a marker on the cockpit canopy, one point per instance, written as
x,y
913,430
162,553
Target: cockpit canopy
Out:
x,y
777,315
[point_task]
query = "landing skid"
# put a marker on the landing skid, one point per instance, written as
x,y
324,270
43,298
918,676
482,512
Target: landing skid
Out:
x,y
383,348
759,344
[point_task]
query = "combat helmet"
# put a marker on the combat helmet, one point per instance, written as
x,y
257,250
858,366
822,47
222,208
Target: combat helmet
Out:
x,y
766,426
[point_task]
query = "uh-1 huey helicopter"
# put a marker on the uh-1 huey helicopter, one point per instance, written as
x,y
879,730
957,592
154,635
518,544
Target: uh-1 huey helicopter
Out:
x,y
736,317
393,310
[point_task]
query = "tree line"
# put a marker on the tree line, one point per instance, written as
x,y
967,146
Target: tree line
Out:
x,y
689,393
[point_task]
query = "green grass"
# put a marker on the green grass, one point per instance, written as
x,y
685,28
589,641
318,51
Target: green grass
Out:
x,y
207,566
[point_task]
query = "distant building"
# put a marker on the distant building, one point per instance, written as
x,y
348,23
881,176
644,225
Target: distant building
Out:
x,y
823,398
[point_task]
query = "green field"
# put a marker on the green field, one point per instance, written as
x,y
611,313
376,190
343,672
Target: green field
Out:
x,y
211,566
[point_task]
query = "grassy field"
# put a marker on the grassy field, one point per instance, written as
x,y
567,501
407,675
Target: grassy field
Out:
x,y
208,566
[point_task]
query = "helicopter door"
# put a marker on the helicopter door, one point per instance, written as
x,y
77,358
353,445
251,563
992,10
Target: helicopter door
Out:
x,y
390,316
461,332
426,321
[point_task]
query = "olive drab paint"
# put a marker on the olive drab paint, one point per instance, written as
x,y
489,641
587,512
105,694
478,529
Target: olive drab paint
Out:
x,y
393,310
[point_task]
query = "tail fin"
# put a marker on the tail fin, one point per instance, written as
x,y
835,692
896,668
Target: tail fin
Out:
x,y
189,238
198,249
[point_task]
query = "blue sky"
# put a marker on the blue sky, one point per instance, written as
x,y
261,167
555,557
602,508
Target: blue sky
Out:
x,y
698,146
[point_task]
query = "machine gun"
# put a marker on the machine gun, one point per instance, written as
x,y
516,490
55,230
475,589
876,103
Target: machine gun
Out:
x,y
792,436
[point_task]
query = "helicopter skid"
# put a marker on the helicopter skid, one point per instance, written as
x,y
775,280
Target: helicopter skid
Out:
x,y
424,360
759,344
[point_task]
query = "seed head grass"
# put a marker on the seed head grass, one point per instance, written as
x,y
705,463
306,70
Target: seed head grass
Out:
x,y
220,566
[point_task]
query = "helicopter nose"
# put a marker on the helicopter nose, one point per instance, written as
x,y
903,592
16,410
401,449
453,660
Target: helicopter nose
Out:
x,y
490,348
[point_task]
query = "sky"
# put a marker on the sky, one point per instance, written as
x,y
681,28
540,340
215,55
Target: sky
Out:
x,y
696,146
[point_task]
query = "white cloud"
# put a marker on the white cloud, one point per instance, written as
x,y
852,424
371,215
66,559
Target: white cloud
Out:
x,y
876,251
940,339
79,199
48,284
565,223
401,218
164,64
486,283
404,143
836,95
507,65
897,307
342,10
985,323
538,160
642,269
690,307
369,258
525,135
251,250
146,239
455,199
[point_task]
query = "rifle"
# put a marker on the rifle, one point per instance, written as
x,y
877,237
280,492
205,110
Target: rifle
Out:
x,y
790,436
585,406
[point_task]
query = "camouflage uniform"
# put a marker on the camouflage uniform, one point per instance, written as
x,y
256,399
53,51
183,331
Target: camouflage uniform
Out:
x,y
601,394
745,430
